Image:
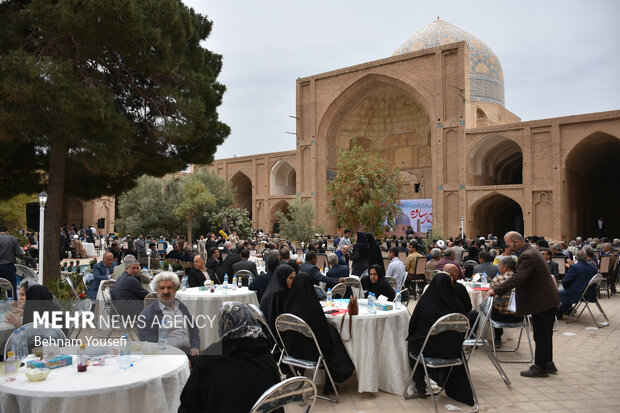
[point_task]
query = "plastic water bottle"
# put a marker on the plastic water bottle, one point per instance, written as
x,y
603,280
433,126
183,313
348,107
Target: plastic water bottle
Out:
x,y
330,303
234,282
397,300
250,280
484,277
225,284
184,283
10,366
240,282
3,310
162,336
23,344
372,304
124,361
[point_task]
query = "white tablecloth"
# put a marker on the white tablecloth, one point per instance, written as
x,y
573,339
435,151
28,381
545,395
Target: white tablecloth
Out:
x,y
153,384
378,348
208,304
477,297
90,249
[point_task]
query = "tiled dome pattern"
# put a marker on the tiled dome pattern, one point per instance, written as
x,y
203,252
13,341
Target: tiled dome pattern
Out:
x,y
486,76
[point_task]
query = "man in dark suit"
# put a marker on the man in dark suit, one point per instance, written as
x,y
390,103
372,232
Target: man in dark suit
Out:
x,y
128,291
226,267
486,265
285,258
213,262
338,271
260,283
101,272
245,263
575,281
536,294
310,268
554,268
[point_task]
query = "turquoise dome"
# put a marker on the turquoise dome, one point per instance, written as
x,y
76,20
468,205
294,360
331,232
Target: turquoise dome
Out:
x,y
485,75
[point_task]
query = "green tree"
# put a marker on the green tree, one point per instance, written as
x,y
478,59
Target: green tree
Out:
x,y
299,224
196,196
94,94
239,220
365,192
13,211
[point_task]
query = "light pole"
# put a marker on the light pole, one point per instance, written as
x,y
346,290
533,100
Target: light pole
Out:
x,y
148,256
462,229
42,202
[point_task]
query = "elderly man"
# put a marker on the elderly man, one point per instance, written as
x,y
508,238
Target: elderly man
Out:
x,y
448,258
396,268
500,312
101,271
338,271
536,294
435,256
128,291
343,255
461,292
182,331
574,282
309,267
197,276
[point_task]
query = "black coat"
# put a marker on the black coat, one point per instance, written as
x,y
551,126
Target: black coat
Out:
x,y
226,268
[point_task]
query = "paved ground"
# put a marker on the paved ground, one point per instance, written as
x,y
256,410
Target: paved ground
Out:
x,y
588,360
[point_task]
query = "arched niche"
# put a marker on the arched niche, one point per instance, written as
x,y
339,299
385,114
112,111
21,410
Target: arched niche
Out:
x,y
283,179
495,160
282,206
495,214
243,186
75,213
589,189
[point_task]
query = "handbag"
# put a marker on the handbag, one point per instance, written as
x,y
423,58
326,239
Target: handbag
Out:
x,y
512,302
352,309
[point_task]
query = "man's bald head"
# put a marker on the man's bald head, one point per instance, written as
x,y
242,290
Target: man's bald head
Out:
x,y
108,257
452,270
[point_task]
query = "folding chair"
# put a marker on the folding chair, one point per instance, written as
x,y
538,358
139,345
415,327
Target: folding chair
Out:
x,y
523,324
587,299
320,293
339,289
607,275
260,317
290,322
297,390
476,334
402,255
321,261
451,322
31,332
244,275
150,299
419,275
386,262
561,261
69,281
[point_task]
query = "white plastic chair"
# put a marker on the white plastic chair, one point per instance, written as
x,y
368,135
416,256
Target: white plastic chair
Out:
x,y
31,332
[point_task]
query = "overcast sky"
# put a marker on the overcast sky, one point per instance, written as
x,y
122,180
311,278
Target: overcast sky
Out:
x,y
558,57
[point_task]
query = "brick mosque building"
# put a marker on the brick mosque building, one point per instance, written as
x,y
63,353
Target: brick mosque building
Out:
x,y
436,110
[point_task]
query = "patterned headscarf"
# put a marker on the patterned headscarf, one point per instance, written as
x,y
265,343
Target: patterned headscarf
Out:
x,y
237,321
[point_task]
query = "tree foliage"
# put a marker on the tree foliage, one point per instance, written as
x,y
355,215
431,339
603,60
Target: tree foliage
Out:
x,y
94,94
365,192
13,211
196,197
239,220
298,224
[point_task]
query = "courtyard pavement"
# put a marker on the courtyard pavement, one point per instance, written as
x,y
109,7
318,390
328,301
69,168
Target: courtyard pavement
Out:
x,y
588,362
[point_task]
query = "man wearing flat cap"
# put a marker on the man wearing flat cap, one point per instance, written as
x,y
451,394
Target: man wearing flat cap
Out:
x,y
128,288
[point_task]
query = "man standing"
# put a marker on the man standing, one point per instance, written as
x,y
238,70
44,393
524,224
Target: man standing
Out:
x,y
9,250
396,268
345,240
101,271
140,247
536,294
574,282
182,333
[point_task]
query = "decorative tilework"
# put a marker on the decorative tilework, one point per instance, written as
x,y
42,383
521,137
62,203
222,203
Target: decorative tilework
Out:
x,y
486,76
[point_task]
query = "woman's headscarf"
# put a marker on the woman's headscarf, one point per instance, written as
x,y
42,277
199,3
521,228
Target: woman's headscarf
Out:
x,y
374,252
272,302
237,321
438,300
39,299
381,287
361,242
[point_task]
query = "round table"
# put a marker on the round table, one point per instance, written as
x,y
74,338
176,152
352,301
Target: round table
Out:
x,y
89,247
378,347
153,384
206,305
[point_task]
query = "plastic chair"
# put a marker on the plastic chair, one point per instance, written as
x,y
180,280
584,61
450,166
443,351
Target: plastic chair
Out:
x,y
475,338
88,278
339,289
451,322
150,299
77,308
320,293
290,322
297,390
31,332
245,275
7,287
26,272
355,285
393,283
586,301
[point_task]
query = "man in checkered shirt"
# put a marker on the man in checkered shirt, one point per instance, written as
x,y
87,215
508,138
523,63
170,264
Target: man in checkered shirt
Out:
x,y
506,267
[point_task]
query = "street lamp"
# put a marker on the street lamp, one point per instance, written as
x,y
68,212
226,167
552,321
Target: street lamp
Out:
x,y
42,202
462,229
148,256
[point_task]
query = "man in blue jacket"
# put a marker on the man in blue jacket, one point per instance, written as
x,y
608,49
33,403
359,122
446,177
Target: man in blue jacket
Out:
x,y
180,324
575,281
101,272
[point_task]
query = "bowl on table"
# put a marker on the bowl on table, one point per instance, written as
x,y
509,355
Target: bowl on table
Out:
x,y
37,374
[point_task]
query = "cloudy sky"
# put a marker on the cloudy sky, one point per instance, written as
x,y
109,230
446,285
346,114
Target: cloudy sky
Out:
x,y
558,57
